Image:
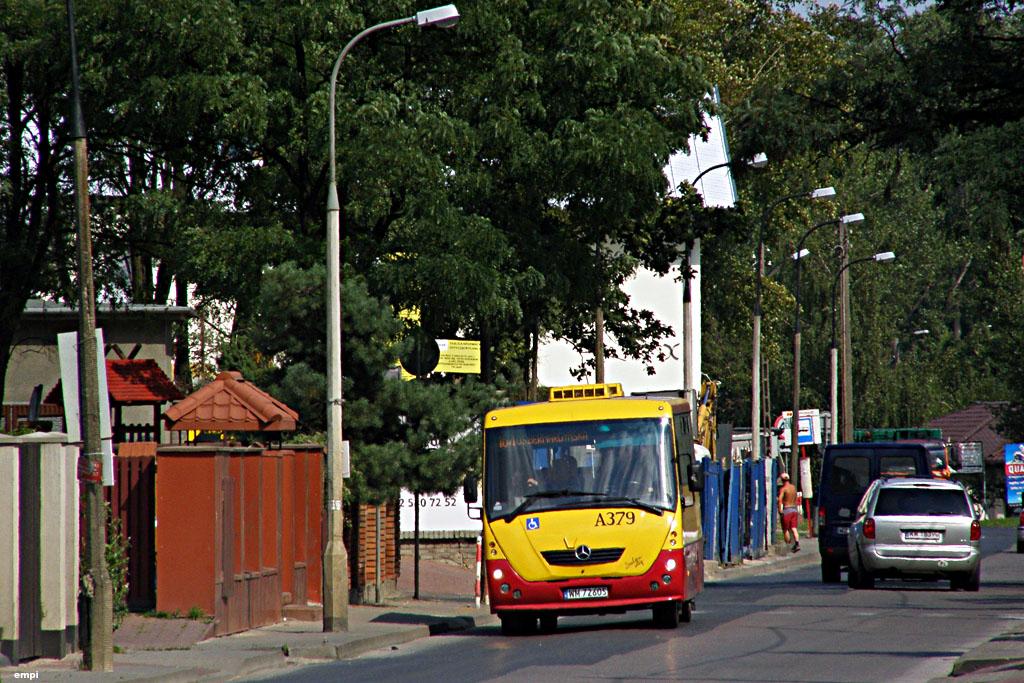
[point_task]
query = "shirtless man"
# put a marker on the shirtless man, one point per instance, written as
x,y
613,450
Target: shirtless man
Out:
x,y
790,512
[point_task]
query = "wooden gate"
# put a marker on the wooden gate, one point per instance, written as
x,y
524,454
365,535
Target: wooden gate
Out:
x,y
132,500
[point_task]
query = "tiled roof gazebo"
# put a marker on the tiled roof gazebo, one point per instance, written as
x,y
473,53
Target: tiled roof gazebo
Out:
x,y
230,403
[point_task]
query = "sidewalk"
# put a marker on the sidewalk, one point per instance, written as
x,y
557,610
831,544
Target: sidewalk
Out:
x,y
170,650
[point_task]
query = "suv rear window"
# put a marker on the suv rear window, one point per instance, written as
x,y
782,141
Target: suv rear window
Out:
x,y
851,475
923,501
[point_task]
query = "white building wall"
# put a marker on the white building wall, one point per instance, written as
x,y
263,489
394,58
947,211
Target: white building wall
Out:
x,y
660,294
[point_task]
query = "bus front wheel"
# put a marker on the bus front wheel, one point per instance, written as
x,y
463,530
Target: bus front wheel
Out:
x,y
666,614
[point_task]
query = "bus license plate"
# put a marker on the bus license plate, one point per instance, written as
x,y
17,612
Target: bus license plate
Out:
x,y
588,593
932,536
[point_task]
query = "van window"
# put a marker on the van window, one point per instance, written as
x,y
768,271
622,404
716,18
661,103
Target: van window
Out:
x,y
896,466
851,475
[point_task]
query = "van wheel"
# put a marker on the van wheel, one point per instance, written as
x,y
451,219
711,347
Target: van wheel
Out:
x,y
830,571
666,614
1020,546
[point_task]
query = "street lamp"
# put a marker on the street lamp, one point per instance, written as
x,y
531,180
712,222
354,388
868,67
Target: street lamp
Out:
x,y
794,448
880,257
335,570
759,160
755,399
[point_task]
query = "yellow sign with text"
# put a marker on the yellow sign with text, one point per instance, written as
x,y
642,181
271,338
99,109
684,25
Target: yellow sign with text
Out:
x,y
457,355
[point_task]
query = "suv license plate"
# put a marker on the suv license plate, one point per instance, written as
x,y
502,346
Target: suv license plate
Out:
x,y
933,536
843,530
585,593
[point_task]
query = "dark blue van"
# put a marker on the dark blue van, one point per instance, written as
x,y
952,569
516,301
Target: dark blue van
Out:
x,y
846,472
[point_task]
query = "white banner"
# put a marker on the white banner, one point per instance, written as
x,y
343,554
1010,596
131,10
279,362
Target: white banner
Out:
x,y
438,512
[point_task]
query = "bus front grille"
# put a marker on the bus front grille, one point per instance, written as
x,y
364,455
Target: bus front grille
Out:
x,y
573,557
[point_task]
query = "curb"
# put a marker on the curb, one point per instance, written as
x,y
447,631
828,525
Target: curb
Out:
x,y
361,646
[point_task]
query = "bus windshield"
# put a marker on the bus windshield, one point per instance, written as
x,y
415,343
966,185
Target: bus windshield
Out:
x,y
537,467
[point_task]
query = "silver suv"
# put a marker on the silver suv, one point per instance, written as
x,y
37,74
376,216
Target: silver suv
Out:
x,y
915,528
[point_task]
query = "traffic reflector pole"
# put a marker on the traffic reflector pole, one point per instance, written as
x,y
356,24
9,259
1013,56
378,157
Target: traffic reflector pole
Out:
x,y
479,557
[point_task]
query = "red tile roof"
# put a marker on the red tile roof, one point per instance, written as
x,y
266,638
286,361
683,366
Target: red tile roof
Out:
x,y
974,423
135,381
230,403
140,381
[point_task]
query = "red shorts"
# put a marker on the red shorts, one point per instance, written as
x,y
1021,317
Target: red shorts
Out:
x,y
790,520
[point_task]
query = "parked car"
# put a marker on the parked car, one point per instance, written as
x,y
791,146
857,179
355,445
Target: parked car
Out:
x,y
915,528
846,472
1020,533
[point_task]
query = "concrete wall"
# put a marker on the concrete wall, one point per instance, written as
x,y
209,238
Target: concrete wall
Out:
x,y
34,358
38,529
9,542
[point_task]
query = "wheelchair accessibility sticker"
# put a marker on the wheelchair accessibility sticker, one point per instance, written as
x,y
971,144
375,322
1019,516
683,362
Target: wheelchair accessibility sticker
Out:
x,y
532,523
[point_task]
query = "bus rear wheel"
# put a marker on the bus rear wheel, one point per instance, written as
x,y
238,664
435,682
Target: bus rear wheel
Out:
x,y
517,623
666,614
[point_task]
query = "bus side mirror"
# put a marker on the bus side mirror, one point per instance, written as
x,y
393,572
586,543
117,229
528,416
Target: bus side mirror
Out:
x,y
469,489
695,476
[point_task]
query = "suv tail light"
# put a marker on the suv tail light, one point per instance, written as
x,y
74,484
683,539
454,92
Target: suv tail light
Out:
x,y
821,520
975,530
1021,522
869,528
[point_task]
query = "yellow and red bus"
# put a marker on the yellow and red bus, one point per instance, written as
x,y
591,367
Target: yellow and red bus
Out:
x,y
590,507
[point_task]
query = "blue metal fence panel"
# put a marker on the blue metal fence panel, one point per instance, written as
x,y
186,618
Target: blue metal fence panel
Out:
x,y
734,525
775,497
758,516
711,508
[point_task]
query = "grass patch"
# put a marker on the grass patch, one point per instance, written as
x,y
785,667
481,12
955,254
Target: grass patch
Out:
x,y
1007,521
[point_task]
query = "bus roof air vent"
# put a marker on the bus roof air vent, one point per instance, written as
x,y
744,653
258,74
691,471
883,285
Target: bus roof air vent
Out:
x,y
585,391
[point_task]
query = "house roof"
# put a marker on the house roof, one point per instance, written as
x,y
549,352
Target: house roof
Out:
x,y
977,422
135,381
230,403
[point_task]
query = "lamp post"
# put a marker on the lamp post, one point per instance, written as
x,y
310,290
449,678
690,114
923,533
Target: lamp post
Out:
x,y
794,447
880,257
755,371
691,375
335,571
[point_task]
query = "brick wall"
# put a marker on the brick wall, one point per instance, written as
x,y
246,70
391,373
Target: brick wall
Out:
x,y
362,548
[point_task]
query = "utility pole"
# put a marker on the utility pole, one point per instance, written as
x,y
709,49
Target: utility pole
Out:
x,y
599,346
98,650
845,350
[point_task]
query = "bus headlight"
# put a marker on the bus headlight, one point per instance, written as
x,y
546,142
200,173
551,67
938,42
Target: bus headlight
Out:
x,y
498,574
504,588
670,563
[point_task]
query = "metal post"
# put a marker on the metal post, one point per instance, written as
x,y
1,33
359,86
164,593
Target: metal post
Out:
x,y
98,651
416,547
834,418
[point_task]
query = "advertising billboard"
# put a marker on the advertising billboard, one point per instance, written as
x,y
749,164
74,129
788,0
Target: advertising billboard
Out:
x,y
1014,473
